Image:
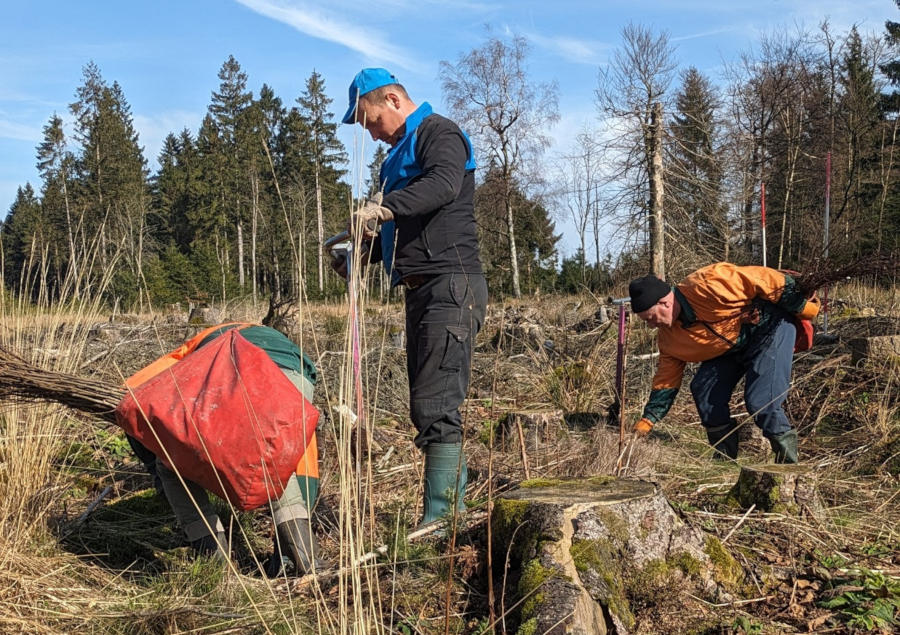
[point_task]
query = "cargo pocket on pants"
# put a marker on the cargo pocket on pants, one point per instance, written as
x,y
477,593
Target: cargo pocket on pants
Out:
x,y
455,349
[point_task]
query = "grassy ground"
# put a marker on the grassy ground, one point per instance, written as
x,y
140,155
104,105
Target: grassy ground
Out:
x,y
124,568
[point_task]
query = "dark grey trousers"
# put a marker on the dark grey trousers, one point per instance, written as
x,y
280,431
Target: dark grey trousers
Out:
x,y
443,315
765,365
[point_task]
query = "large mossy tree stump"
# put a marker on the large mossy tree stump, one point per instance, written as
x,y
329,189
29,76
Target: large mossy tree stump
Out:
x,y
572,553
780,488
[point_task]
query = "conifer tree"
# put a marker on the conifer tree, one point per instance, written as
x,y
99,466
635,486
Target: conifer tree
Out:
x,y
695,176
374,180
23,240
112,178
326,153
55,166
227,109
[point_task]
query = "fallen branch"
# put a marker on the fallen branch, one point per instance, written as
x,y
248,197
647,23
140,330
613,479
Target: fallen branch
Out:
x,y
96,503
324,576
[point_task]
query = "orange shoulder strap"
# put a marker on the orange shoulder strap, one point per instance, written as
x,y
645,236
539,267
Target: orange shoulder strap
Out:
x,y
170,359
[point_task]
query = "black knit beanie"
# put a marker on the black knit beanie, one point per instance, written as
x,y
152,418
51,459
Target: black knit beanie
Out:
x,y
647,291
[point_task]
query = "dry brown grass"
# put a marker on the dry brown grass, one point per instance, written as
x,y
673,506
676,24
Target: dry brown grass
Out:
x,y
847,417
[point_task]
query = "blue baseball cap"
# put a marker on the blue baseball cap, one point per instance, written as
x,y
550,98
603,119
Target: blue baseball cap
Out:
x,y
366,80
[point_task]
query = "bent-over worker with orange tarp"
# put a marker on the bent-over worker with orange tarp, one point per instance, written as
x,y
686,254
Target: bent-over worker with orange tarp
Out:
x,y
190,502
739,322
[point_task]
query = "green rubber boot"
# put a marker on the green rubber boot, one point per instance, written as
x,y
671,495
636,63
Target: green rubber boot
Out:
x,y
785,447
725,441
443,463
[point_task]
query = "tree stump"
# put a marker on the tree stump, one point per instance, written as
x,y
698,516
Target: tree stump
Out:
x,y
541,425
205,315
785,488
877,348
575,552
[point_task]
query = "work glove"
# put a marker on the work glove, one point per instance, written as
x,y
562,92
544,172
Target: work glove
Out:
x,y
339,263
339,260
810,309
368,217
643,427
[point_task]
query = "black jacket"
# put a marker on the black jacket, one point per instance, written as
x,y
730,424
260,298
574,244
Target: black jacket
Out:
x,y
429,184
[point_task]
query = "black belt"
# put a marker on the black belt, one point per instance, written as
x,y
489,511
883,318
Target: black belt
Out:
x,y
413,281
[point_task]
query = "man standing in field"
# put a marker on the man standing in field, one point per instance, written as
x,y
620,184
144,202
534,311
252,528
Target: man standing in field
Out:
x,y
429,245
737,321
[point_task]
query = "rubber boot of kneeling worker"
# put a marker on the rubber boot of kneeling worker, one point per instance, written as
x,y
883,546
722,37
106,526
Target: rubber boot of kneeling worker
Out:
x,y
295,542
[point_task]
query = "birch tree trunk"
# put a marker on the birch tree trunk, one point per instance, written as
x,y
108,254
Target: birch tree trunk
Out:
x,y
320,232
657,224
510,226
254,214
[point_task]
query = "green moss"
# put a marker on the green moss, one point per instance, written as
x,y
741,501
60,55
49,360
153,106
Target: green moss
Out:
x,y
615,525
506,519
656,571
541,482
534,574
528,628
688,564
510,512
727,571
603,558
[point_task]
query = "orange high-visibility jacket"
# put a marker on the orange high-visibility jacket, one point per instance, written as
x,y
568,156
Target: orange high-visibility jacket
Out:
x,y
722,305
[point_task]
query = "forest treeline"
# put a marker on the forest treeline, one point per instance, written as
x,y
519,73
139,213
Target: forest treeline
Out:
x,y
241,206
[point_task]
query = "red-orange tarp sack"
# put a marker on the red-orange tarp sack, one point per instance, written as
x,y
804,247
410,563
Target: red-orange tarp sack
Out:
x,y
228,419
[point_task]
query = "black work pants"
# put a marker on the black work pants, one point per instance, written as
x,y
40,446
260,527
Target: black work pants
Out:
x,y
443,315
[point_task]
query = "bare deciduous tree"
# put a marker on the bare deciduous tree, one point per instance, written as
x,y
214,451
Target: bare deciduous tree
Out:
x,y
491,96
632,92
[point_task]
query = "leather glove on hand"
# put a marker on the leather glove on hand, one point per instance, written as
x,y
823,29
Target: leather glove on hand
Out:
x,y
368,217
643,427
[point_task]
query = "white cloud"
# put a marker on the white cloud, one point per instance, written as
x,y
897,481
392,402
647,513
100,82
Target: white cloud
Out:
x,y
310,19
695,36
578,51
19,131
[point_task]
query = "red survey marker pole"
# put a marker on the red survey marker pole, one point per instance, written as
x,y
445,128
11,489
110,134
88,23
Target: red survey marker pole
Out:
x,y
762,211
620,377
827,238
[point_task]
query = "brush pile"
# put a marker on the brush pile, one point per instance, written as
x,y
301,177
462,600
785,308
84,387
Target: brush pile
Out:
x,y
22,380
824,272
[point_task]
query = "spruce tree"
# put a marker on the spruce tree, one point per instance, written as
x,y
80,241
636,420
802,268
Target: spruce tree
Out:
x,y
227,109
24,242
325,154
695,176
373,184
112,182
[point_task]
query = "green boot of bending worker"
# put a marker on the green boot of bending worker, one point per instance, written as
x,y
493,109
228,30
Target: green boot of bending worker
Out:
x,y
296,544
724,440
785,447
445,480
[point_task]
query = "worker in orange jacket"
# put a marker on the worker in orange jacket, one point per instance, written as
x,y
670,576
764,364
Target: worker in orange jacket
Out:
x,y
738,322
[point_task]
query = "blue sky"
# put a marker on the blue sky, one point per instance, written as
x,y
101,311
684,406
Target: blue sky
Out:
x,y
166,53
